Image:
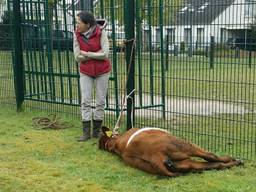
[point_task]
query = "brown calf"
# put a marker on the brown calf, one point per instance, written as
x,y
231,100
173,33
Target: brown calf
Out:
x,y
155,151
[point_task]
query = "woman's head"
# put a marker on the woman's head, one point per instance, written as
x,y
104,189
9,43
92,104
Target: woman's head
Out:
x,y
84,21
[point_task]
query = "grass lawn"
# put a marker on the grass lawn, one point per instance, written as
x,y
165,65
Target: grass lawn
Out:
x,y
188,77
52,160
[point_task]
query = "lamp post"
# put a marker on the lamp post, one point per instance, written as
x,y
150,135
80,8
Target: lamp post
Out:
x,y
190,10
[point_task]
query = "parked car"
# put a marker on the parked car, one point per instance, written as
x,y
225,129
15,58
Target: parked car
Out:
x,y
5,42
242,43
62,40
29,33
5,37
32,38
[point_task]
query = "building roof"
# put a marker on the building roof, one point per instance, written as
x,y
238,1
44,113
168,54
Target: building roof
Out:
x,y
196,12
80,5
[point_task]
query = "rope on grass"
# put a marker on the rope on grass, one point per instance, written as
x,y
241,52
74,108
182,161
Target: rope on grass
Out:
x,y
50,122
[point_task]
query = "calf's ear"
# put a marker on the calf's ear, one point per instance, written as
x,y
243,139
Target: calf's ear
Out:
x,y
104,129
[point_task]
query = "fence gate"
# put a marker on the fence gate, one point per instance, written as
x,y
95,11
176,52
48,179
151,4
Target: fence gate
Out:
x,y
51,74
194,68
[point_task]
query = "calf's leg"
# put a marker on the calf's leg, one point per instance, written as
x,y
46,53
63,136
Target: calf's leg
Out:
x,y
150,166
190,150
192,165
211,157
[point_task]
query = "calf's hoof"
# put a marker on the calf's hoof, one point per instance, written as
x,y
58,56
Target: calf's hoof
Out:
x,y
169,164
239,162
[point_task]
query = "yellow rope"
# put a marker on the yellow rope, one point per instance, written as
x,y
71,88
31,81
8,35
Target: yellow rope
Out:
x,y
119,120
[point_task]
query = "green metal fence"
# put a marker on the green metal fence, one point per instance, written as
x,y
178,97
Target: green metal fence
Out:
x,y
191,63
7,95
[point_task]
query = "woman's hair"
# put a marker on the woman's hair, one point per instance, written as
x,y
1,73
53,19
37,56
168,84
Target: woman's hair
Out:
x,y
87,17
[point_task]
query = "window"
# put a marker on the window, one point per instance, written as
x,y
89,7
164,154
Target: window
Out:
x,y
146,39
158,35
250,8
183,9
187,35
171,35
223,35
203,6
200,36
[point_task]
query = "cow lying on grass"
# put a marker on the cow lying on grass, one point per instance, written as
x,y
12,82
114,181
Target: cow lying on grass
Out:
x,y
156,151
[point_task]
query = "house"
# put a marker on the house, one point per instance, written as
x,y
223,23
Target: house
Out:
x,y
197,20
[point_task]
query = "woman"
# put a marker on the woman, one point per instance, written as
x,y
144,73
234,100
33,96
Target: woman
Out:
x,y
91,48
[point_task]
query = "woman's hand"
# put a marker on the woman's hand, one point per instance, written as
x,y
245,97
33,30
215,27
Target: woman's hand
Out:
x,y
82,58
87,58
84,53
99,55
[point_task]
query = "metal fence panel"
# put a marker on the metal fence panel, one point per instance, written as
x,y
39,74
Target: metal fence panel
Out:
x,y
194,69
197,58
7,94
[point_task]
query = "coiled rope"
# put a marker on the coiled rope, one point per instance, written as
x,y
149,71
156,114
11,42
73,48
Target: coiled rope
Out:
x,y
50,122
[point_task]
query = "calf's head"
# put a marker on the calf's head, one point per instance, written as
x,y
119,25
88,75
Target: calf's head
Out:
x,y
106,141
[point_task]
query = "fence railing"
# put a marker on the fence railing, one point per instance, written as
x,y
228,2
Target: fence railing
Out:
x,y
193,65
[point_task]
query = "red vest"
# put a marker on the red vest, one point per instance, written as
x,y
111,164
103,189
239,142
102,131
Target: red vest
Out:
x,y
93,67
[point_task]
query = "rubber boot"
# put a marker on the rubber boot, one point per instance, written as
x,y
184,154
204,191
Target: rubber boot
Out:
x,y
96,128
86,131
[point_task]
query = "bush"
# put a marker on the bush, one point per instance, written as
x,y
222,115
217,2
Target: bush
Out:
x,y
200,52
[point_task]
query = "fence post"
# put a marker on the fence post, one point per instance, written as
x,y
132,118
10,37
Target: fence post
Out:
x,y
250,58
212,52
167,53
163,88
129,15
18,66
87,5
237,53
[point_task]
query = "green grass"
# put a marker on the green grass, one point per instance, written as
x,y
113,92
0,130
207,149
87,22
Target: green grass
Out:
x,y
52,160
189,77
231,82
